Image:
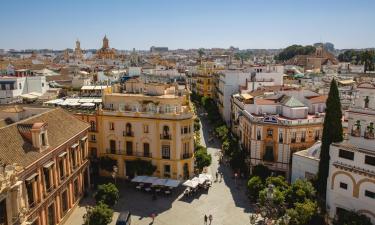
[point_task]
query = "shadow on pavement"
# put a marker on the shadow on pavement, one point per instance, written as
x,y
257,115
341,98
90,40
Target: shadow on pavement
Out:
x,y
236,187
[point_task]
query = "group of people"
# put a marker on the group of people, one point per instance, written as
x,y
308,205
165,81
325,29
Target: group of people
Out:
x,y
208,218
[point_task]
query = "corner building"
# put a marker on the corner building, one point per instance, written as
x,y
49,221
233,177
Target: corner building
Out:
x,y
45,171
148,121
351,180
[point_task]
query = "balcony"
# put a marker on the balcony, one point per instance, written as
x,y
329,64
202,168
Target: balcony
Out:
x,y
129,152
113,151
166,157
186,155
144,154
128,134
165,136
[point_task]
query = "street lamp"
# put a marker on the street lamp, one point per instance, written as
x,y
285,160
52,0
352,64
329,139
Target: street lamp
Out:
x,y
114,172
270,192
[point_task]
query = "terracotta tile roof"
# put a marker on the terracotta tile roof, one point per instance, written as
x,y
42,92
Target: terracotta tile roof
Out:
x,y
15,144
261,101
318,99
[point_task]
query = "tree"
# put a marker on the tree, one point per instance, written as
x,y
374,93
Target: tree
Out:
x,y
107,163
345,217
261,171
141,167
222,131
302,213
243,56
332,122
367,58
108,194
202,158
255,185
201,53
294,50
197,125
300,191
278,182
278,198
101,214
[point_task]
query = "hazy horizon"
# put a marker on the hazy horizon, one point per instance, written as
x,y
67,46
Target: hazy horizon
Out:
x,y
252,24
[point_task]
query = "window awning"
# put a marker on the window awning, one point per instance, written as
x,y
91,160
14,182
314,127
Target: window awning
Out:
x,y
74,145
84,138
30,178
48,165
62,154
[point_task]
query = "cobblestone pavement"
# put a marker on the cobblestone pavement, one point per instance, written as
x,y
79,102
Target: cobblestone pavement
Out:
x,y
226,201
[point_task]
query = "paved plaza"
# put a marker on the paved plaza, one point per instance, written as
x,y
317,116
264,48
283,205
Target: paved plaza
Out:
x,y
226,201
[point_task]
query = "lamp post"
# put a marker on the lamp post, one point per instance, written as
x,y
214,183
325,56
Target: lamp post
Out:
x,y
114,172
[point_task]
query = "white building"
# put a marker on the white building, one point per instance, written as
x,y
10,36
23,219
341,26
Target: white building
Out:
x,y
305,163
229,84
351,180
13,87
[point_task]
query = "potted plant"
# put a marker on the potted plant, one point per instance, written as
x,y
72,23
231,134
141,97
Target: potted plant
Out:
x,y
357,131
370,131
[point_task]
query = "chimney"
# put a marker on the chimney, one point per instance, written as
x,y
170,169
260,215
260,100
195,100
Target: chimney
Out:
x,y
39,136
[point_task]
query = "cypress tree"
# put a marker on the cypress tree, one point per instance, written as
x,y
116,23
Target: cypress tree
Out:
x,y
332,132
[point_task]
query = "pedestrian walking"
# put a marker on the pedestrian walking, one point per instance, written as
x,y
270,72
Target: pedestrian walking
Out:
x,y
210,218
216,175
221,176
153,217
205,219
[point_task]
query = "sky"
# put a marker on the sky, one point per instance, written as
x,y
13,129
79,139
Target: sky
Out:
x,y
140,24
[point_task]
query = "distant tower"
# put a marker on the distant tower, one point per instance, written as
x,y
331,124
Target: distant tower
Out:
x,y
77,51
319,51
78,45
105,42
134,58
66,55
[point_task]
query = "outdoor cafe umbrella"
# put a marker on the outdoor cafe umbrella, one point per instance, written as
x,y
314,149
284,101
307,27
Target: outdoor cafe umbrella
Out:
x,y
191,183
172,183
205,176
139,179
149,180
159,182
199,180
88,104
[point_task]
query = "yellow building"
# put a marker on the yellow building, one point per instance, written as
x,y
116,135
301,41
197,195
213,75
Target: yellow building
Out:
x,y
203,79
147,121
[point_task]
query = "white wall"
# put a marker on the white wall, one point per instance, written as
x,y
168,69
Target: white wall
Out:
x,y
303,164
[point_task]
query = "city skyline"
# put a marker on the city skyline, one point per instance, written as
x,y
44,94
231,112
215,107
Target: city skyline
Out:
x,y
193,24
